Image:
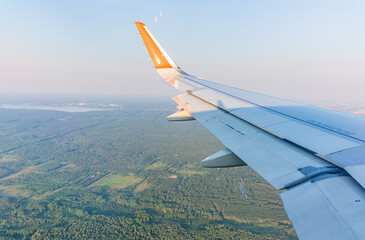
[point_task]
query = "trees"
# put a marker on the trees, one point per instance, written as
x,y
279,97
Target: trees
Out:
x,y
55,168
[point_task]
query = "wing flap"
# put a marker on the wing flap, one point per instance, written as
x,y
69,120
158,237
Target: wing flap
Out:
x,y
331,208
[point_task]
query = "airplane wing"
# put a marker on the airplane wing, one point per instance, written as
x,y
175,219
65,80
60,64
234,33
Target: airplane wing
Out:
x,y
315,155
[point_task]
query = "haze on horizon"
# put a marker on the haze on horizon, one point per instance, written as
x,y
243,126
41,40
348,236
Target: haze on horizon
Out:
x,y
312,50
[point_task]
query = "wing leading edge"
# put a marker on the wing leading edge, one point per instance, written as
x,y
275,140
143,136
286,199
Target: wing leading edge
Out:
x,y
315,154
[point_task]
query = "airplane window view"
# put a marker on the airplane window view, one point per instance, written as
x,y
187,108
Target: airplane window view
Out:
x,y
182,120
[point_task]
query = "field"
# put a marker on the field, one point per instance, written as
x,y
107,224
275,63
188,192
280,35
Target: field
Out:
x,y
119,181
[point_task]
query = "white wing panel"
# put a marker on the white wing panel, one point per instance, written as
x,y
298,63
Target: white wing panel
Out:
x,y
311,138
352,160
259,116
332,208
276,160
337,122
221,100
308,136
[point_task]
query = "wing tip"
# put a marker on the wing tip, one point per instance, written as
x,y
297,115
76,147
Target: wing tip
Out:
x,y
139,23
158,55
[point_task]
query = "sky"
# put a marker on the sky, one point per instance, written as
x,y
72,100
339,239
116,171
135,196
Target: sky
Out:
x,y
300,50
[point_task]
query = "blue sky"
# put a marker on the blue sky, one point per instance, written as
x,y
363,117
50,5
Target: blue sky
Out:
x,y
301,50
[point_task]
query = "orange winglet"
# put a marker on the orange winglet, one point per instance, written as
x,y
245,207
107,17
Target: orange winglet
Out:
x,y
157,56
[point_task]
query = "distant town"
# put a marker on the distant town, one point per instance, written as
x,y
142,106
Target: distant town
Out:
x,y
92,105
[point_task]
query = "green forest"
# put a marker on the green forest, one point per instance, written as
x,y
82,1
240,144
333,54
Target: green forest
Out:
x,y
125,174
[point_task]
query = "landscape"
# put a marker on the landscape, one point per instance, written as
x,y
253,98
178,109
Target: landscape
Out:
x,y
124,172
92,98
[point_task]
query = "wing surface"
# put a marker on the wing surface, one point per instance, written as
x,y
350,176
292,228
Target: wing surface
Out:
x,y
316,155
